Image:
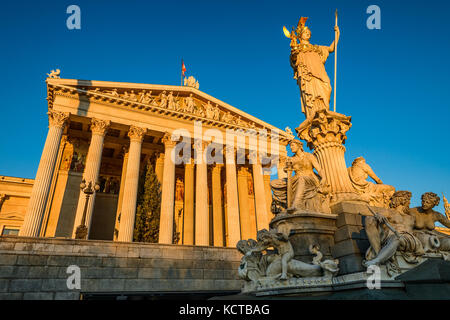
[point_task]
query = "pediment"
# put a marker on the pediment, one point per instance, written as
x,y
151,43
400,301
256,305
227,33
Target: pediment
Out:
x,y
172,101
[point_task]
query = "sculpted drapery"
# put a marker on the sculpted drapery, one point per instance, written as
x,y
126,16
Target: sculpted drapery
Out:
x,y
308,62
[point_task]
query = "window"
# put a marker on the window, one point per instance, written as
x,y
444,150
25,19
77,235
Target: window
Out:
x,y
10,231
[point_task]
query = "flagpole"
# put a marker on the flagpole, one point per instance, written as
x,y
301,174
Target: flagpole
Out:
x,y
181,72
335,60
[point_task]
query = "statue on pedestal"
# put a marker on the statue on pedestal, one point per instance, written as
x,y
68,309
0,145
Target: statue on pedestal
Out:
x,y
379,194
393,232
308,63
279,263
305,190
410,232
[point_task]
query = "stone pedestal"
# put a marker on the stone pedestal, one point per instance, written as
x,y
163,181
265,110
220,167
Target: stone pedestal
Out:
x,y
307,228
350,239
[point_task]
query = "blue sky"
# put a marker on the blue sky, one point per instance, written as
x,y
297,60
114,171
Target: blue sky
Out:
x,y
393,82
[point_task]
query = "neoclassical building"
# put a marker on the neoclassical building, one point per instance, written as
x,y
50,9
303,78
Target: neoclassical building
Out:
x,y
105,132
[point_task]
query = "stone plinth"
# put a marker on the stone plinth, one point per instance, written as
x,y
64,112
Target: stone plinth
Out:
x,y
305,229
36,268
326,134
350,239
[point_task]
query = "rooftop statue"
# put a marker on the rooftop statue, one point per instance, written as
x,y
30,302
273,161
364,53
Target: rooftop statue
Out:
x,y
308,62
54,74
191,82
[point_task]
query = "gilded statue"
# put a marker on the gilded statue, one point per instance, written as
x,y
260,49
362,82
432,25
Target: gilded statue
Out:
x,y
306,189
378,194
308,63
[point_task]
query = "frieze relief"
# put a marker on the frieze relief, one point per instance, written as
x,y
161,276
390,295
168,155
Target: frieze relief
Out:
x,y
169,100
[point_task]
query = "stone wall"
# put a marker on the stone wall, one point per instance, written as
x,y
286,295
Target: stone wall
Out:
x,y
36,268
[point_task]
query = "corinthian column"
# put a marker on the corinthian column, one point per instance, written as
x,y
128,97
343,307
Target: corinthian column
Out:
x,y
168,190
233,225
260,193
188,226
136,135
201,195
217,204
325,134
39,194
91,171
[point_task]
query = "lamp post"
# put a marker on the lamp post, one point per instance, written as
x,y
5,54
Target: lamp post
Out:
x,y
82,230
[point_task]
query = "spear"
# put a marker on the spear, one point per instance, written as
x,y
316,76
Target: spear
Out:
x,y
335,60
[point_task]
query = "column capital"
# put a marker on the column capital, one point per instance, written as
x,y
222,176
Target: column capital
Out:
x,y
200,144
167,140
99,126
136,133
57,119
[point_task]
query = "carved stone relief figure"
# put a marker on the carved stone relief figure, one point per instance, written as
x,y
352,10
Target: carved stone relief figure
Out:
x,y
378,194
216,113
171,102
307,189
227,117
112,92
209,110
163,100
189,104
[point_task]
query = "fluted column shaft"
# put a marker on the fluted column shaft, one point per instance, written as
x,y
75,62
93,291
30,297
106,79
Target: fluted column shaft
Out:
x,y
126,228
332,159
168,192
159,168
217,205
91,171
233,225
260,195
268,192
188,225
39,194
248,223
201,196
122,187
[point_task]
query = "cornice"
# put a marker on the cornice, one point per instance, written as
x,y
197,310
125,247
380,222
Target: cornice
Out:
x,y
95,90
